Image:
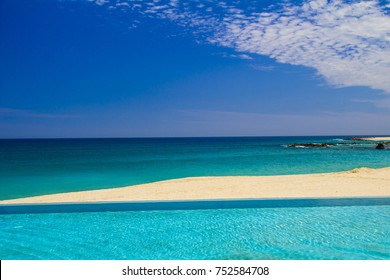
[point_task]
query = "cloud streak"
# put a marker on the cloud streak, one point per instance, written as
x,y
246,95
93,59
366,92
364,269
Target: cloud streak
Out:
x,y
347,43
9,112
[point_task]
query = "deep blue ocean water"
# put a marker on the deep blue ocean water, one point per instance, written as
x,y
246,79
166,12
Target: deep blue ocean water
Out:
x,y
45,166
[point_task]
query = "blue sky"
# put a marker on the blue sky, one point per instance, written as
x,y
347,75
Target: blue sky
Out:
x,y
82,68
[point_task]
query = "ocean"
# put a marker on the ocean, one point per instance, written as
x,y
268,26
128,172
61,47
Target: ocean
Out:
x,y
30,167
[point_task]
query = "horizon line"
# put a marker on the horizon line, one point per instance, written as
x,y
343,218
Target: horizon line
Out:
x,y
171,137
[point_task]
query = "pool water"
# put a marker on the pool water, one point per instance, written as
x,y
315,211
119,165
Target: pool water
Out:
x,y
353,232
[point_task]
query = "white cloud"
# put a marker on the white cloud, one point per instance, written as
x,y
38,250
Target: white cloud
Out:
x,y
241,56
264,68
244,56
348,43
101,2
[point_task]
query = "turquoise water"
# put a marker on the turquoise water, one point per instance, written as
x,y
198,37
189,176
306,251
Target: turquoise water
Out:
x,y
36,167
355,232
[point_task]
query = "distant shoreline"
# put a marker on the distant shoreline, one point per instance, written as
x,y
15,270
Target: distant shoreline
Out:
x,y
373,138
360,182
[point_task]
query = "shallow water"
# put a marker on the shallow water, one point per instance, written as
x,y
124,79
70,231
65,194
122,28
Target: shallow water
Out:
x,y
354,232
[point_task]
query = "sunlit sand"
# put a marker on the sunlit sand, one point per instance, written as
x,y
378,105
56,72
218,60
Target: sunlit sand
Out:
x,y
376,138
354,183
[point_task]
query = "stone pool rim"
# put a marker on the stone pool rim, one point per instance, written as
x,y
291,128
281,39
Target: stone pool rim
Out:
x,y
204,204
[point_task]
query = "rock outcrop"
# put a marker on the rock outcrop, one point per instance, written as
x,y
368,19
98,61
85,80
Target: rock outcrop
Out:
x,y
312,145
380,146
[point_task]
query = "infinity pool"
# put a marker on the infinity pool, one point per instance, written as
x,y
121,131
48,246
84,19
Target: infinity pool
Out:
x,y
349,232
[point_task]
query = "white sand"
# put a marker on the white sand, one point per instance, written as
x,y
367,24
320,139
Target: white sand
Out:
x,y
354,183
376,138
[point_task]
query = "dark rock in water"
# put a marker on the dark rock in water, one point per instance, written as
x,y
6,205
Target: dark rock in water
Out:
x,y
355,138
348,143
380,146
312,145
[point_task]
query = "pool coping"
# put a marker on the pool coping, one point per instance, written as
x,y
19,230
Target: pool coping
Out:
x,y
153,205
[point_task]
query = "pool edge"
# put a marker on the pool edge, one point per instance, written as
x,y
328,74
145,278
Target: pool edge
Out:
x,y
114,206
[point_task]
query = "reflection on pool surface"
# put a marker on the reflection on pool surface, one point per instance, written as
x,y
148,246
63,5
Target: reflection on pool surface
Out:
x,y
355,232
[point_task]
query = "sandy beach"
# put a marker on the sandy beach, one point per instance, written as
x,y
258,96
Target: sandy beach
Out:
x,y
354,183
376,138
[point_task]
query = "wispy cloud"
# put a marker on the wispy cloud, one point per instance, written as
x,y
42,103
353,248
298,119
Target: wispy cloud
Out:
x,y
346,42
242,56
264,68
101,2
9,112
239,55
